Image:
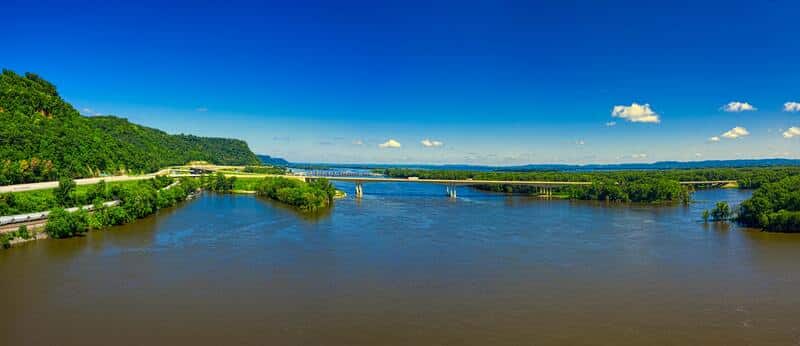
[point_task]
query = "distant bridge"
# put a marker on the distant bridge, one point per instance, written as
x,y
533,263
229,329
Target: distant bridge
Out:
x,y
544,187
709,182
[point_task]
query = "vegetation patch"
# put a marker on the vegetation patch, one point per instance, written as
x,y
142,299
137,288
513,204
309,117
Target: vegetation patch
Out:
x,y
309,197
773,207
265,169
67,195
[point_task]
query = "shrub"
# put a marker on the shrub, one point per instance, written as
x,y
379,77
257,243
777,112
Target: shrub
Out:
x,y
5,241
63,224
23,233
64,192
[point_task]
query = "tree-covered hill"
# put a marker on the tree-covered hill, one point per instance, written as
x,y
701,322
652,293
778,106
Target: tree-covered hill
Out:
x,y
43,137
273,161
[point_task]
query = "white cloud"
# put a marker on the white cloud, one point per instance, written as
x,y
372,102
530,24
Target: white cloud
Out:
x,y
611,123
431,143
792,132
636,113
698,155
791,107
714,139
737,106
391,143
580,142
202,109
639,156
358,142
736,132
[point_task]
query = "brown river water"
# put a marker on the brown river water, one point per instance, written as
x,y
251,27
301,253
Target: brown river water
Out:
x,y
408,266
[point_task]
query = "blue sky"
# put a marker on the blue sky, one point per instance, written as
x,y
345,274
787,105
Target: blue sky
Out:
x,y
484,82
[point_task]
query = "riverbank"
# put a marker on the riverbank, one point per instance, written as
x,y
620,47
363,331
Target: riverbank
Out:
x,y
130,202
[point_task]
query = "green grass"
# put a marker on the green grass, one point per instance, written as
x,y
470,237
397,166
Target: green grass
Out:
x,y
247,184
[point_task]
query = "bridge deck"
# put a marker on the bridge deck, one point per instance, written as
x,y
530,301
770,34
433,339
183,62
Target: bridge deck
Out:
x,y
488,182
452,181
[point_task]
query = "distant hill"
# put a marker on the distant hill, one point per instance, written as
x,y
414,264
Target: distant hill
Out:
x,y
658,165
273,161
43,137
563,167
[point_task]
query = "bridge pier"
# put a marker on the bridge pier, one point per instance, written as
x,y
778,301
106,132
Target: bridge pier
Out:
x,y
451,191
359,190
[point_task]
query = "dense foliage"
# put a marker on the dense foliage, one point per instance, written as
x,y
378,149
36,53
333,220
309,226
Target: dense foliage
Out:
x,y
42,137
265,169
66,196
635,190
136,201
774,207
63,224
312,196
218,182
750,177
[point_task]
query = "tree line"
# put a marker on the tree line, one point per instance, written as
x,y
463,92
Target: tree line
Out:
x,y
624,186
773,207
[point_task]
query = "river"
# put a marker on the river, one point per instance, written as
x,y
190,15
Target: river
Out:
x,y
408,266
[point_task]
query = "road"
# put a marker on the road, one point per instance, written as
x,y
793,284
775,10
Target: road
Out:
x,y
87,181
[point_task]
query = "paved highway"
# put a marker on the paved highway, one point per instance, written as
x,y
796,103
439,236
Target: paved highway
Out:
x,y
88,181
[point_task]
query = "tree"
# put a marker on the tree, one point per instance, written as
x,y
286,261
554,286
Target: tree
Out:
x,y
63,224
721,212
64,191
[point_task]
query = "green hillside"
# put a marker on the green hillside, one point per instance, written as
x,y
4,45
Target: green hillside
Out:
x,y
43,137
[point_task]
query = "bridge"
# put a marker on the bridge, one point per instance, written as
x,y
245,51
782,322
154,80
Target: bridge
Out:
x,y
710,182
545,188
